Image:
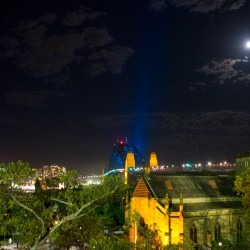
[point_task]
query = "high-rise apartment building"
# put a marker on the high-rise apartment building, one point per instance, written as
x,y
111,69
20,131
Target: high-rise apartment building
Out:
x,y
48,172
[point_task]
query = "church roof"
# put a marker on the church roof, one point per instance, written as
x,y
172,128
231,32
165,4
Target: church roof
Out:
x,y
199,193
191,186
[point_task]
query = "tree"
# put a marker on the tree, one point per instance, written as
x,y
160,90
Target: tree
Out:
x,y
103,242
4,216
222,244
242,187
81,231
186,245
42,215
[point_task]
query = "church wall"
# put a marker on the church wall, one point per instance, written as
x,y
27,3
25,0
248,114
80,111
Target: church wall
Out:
x,y
176,227
206,221
154,215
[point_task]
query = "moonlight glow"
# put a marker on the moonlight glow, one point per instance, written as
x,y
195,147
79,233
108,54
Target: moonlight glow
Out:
x,y
248,44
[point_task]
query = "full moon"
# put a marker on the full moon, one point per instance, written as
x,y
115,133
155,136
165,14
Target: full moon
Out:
x,y
248,44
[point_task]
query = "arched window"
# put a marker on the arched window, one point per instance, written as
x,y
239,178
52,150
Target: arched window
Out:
x,y
193,233
239,231
217,231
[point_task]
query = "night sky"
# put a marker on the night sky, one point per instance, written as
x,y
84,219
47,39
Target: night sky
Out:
x,y
172,76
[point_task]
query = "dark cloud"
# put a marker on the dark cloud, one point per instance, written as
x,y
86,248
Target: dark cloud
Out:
x,y
35,45
209,129
225,70
48,18
96,37
230,121
96,69
30,99
74,18
52,55
203,6
237,4
112,60
197,86
157,5
9,46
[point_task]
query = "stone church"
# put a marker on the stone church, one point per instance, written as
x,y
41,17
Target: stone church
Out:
x,y
200,208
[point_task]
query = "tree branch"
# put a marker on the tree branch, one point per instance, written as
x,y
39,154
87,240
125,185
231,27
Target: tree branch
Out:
x,y
76,214
63,202
33,212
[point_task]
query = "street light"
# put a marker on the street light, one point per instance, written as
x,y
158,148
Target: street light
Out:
x,y
220,244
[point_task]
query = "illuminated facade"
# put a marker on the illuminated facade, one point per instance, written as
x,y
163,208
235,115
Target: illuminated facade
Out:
x,y
153,162
47,176
52,171
200,208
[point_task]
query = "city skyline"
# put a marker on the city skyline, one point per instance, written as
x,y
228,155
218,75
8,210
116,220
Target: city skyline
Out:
x,y
171,76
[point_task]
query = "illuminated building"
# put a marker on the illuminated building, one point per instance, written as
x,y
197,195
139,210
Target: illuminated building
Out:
x,y
52,171
180,208
47,175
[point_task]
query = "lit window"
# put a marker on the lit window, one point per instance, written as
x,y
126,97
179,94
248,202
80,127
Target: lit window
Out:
x,y
168,184
213,184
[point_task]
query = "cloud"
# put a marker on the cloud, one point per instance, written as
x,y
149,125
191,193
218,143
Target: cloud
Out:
x,y
205,129
30,99
157,5
229,121
48,18
193,86
51,44
202,6
237,4
51,55
96,37
96,69
9,47
75,18
112,60
225,70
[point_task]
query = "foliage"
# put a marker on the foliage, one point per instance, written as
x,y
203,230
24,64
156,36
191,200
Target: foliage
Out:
x,y
186,245
38,187
33,218
147,238
81,231
242,187
222,244
5,210
102,242
14,173
147,235
244,242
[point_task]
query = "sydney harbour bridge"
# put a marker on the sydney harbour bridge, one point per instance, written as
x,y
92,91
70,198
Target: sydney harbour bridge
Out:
x,y
119,157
